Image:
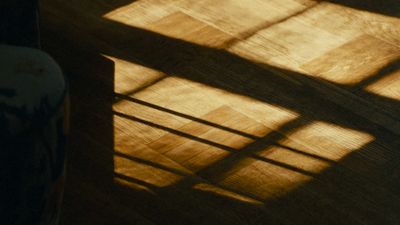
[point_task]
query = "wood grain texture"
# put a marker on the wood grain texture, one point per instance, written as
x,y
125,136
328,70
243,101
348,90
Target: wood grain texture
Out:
x,y
366,56
244,17
230,112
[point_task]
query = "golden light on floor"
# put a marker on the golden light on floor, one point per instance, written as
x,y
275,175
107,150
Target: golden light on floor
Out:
x,y
144,12
243,14
129,77
294,161
171,129
230,111
329,141
308,45
338,66
391,84
225,193
141,172
168,119
143,167
192,127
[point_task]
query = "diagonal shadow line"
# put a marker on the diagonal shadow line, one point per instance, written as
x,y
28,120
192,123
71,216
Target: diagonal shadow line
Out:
x,y
189,182
249,33
190,178
387,7
138,101
152,164
382,73
176,132
165,54
120,96
227,66
229,162
248,151
238,157
141,88
306,153
150,39
135,180
339,94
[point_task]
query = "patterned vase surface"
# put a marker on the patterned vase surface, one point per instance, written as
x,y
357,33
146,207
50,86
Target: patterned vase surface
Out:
x,y
33,125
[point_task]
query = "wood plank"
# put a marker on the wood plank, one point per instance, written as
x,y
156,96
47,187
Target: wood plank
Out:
x,y
131,77
353,62
388,86
358,63
291,43
141,13
288,48
179,25
213,143
244,17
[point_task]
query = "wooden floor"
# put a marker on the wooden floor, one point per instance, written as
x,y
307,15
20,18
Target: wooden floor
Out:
x,y
201,112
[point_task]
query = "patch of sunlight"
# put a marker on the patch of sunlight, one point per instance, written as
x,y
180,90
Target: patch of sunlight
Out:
x,y
193,124
280,168
130,77
177,94
142,13
389,86
327,140
178,25
183,101
265,180
143,174
241,18
202,22
133,185
358,59
329,41
140,167
302,160
290,43
225,193
269,115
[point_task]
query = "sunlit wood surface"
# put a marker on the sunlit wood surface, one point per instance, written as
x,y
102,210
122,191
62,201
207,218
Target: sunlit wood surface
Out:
x,y
200,112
